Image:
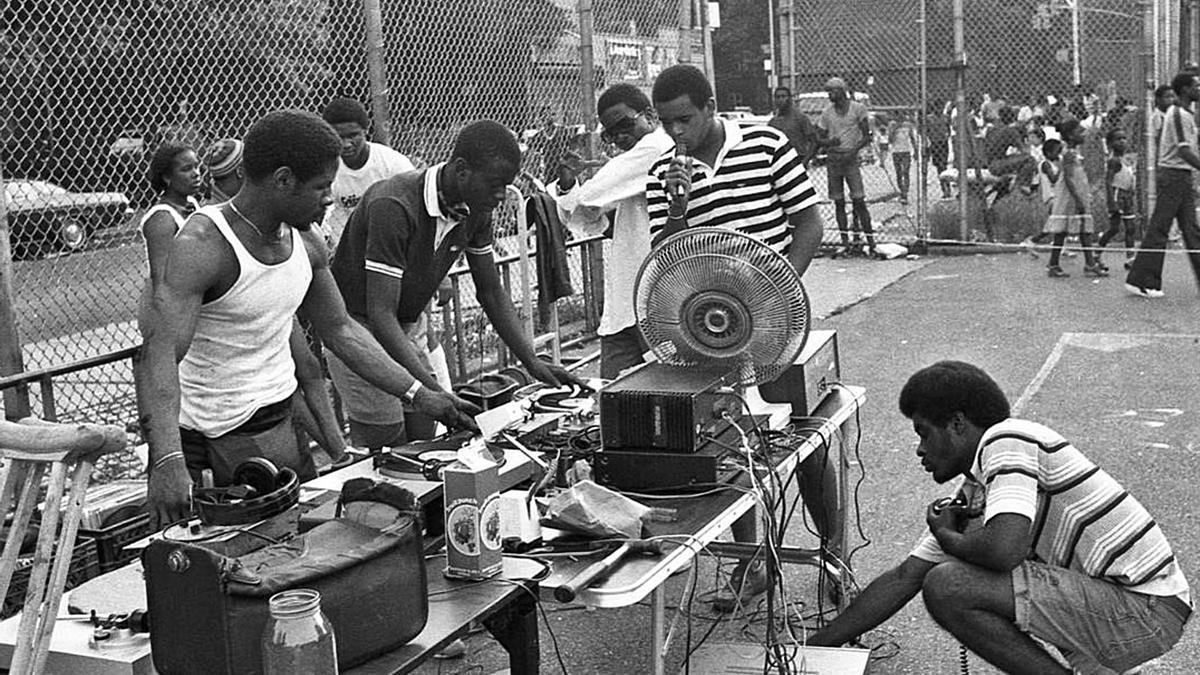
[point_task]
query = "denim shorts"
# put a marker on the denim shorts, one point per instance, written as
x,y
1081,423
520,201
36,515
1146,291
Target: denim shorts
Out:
x,y
1098,626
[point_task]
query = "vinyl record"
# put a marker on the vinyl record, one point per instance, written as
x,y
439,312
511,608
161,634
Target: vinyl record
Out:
x,y
438,455
567,399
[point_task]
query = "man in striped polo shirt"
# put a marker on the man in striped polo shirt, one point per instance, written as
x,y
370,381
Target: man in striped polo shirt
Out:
x,y
1038,541
750,180
721,175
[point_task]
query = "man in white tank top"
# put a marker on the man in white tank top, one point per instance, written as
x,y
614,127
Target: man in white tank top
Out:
x,y
238,272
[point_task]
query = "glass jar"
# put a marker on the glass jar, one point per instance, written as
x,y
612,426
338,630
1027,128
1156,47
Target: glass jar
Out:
x,y
298,639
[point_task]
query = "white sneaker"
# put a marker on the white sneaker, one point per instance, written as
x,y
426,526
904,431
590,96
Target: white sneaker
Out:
x,y
1151,293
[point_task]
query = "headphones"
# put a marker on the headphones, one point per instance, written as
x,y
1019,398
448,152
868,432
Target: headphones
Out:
x,y
259,491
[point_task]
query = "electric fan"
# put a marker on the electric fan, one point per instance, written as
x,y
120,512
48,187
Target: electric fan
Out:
x,y
719,309
715,297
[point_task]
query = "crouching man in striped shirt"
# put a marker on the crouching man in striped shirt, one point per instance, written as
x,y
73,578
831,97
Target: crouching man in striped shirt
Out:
x,y
1039,542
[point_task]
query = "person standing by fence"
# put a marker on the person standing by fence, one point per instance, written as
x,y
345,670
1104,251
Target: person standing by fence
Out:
x,y
1121,184
843,130
174,174
794,124
1174,198
937,135
224,162
361,164
1071,211
903,140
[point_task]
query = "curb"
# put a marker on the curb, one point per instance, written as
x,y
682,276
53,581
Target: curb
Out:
x,y
971,248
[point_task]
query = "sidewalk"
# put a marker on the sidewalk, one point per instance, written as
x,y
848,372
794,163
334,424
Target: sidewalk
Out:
x,y
836,285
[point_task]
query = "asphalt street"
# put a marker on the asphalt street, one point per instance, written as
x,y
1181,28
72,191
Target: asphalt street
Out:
x,y
1114,373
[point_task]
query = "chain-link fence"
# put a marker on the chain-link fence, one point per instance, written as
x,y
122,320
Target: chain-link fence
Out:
x,y
1044,59
92,88
875,49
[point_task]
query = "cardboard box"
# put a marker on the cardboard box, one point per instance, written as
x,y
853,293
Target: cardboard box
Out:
x,y
472,503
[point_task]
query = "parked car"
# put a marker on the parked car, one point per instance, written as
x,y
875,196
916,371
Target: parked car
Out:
x,y
45,218
743,116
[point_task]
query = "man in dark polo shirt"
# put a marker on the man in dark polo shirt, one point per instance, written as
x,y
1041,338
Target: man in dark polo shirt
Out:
x,y
400,242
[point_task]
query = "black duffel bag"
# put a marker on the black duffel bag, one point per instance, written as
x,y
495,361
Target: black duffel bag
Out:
x,y
208,611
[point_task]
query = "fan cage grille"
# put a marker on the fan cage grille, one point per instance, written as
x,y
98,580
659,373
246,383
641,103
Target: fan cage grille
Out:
x,y
715,296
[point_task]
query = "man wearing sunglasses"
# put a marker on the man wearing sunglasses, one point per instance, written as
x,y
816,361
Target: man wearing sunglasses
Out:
x,y
619,187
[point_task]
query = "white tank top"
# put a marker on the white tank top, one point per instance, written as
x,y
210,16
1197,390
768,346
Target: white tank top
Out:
x,y
161,207
178,217
239,360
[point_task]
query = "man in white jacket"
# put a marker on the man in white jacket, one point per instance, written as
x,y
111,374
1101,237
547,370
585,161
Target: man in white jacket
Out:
x,y
619,186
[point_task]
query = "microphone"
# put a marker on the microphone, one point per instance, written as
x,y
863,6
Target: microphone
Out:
x,y
680,153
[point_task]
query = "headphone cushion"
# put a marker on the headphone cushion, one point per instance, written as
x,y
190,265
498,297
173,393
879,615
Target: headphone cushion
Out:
x,y
259,473
281,494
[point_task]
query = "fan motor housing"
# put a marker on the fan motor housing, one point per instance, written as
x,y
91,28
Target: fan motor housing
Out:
x,y
666,408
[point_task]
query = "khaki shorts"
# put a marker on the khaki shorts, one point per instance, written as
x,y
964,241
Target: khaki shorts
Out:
x,y
1098,626
364,401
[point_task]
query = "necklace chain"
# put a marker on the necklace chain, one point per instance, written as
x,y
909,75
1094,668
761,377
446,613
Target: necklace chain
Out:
x,y
271,240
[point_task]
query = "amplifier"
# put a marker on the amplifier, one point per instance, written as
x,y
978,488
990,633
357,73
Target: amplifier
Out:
x,y
657,471
806,383
665,408
648,471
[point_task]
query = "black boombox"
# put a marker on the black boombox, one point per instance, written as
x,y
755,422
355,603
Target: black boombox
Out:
x,y
210,603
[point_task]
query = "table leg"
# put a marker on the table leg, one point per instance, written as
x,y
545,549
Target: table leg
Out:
x,y
515,628
657,625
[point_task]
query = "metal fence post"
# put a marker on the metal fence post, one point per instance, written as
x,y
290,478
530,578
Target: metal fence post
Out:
x,y
685,31
373,18
1149,142
706,40
1193,19
16,400
960,102
792,43
773,76
587,67
920,118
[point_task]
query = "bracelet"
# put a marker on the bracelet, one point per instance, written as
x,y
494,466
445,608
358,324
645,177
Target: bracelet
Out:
x,y
166,458
673,216
411,395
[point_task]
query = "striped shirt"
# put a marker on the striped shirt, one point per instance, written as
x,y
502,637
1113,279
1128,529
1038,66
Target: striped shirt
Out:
x,y
1082,518
758,181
